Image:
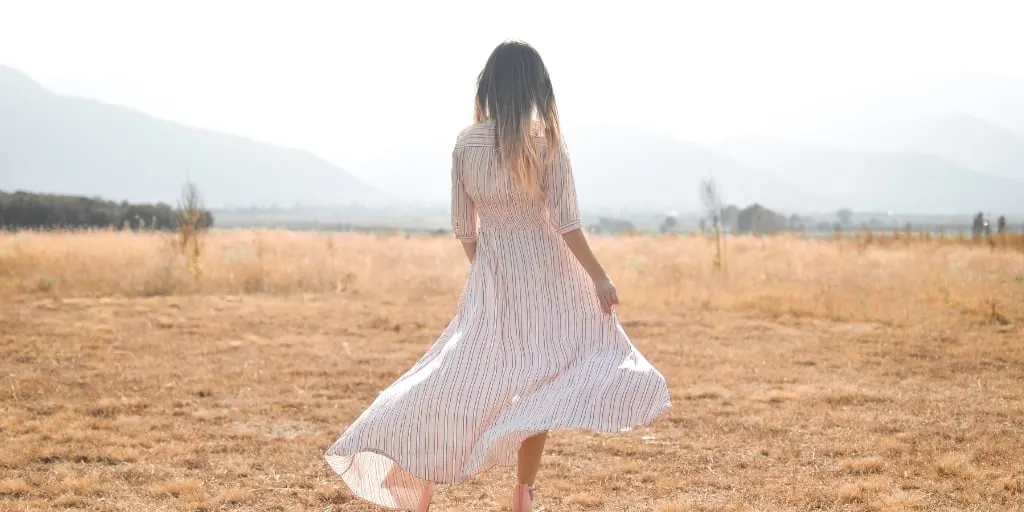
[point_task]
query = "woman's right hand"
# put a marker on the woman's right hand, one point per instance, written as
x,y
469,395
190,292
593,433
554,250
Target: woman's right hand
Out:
x,y
606,294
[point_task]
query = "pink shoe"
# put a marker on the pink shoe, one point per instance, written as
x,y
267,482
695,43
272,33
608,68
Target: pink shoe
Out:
x,y
425,498
522,498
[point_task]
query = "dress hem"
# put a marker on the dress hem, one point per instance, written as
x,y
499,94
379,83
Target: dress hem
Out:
x,y
465,475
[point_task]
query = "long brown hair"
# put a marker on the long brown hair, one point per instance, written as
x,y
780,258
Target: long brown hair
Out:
x,y
512,88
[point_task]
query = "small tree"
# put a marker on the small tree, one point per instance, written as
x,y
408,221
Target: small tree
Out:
x,y
845,216
1001,224
191,223
668,224
711,199
795,223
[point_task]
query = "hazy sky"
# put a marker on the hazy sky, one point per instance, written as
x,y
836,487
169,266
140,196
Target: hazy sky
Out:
x,y
342,77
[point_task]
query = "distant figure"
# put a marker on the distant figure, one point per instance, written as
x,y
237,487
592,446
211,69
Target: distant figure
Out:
x,y
978,225
534,345
1001,224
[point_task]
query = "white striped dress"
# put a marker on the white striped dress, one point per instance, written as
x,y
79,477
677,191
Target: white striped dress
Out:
x,y
529,349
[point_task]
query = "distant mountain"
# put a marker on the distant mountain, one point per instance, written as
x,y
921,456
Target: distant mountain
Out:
x,y
996,99
964,140
416,172
57,144
902,182
618,167
972,120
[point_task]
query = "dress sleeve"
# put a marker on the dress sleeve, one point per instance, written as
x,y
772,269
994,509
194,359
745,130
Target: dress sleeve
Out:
x,y
463,209
563,208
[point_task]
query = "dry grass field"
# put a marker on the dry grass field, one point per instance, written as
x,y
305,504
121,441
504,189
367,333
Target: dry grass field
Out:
x,y
811,375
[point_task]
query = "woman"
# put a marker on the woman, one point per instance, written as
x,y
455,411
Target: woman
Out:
x,y
534,344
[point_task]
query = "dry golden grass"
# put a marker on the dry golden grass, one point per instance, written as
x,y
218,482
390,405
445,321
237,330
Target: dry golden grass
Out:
x,y
1006,240
834,376
904,284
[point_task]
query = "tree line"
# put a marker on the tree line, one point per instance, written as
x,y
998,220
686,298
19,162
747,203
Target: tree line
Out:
x,y
27,210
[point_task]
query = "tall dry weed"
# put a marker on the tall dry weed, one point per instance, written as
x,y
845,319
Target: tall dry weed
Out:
x,y
190,228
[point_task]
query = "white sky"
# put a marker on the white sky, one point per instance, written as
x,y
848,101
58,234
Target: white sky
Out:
x,y
341,77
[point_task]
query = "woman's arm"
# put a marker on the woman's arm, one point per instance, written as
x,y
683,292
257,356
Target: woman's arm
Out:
x,y
463,209
577,243
565,218
606,292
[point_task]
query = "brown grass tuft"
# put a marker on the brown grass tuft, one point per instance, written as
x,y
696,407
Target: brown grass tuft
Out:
x,y
955,465
14,487
1013,485
71,501
232,497
850,493
82,486
177,488
585,500
863,465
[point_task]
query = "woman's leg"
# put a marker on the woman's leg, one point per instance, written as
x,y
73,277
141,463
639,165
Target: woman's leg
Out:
x,y
529,458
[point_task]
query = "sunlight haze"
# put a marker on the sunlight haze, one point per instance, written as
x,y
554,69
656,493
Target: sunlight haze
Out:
x,y
357,81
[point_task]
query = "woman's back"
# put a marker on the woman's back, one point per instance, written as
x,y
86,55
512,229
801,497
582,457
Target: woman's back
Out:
x,y
482,186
